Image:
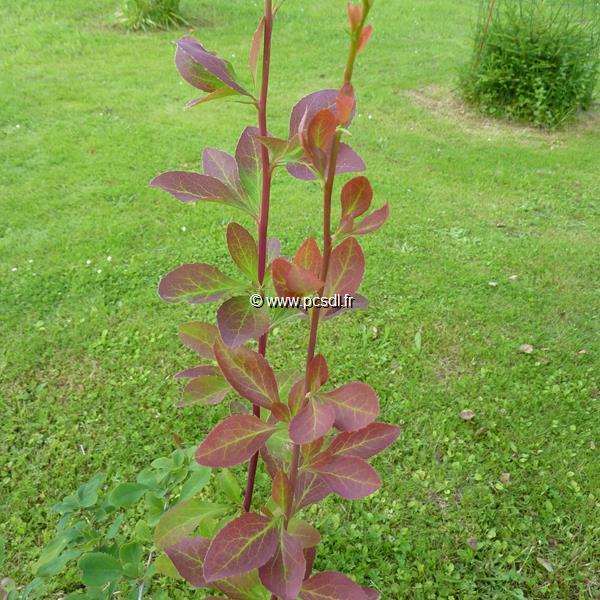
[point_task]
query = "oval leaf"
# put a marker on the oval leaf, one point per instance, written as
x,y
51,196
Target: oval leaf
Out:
x,y
282,575
233,441
357,195
366,442
349,477
199,336
331,585
245,543
204,390
346,268
355,405
188,557
312,422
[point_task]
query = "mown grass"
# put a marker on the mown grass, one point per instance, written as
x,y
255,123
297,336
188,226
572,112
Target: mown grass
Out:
x,y
88,115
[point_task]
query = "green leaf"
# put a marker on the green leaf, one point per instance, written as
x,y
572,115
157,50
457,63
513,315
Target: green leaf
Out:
x,y
165,567
114,528
99,568
131,556
127,494
56,565
155,504
142,531
229,485
59,543
183,518
197,480
2,552
87,494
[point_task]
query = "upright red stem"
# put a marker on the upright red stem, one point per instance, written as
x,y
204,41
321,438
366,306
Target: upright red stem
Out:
x,y
327,246
263,222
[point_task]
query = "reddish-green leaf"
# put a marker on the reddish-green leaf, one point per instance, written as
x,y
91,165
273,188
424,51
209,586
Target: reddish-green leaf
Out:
x,y
304,532
224,167
346,268
312,422
310,489
199,336
321,129
255,47
355,405
204,390
309,106
309,257
365,36
247,155
239,321
191,187
292,281
355,15
197,372
310,554
296,396
240,587
221,92
183,518
373,221
245,543
282,151
243,250
196,284
188,557
357,195
345,104
318,373
248,373
331,585
349,477
282,575
233,441
282,491
202,69
366,442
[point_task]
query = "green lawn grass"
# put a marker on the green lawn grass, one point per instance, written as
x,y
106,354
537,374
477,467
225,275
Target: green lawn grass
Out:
x,y
493,242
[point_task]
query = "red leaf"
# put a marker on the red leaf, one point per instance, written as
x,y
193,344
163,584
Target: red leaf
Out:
x,y
346,268
365,36
348,161
355,405
233,441
196,284
318,373
190,187
331,585
188,557
321,130
357,195
245,543
345,103
282,491
312,422
222,166
370,593
255,47
304,532
199,336
282,575
205,389
364,443
349,477
281,411
296,396
310,489
239,321
197,372
309,257
309,106
243,250
355,15
359,302
196,65
310,554
373,221
248,373
292,281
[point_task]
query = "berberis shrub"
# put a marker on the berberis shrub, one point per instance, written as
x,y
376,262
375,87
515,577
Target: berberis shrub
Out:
x,y
310,438
533,60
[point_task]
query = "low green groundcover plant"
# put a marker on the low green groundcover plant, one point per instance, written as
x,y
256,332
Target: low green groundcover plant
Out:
x,y
308,438
150,14
534,61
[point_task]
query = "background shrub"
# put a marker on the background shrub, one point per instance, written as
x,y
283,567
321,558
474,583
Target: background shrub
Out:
x,y
150,14
534,60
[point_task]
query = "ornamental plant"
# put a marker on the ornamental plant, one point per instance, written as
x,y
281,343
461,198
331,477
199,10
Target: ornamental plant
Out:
x,y
312,440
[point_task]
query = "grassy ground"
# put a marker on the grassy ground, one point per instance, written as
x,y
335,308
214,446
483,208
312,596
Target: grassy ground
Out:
x,y
492,243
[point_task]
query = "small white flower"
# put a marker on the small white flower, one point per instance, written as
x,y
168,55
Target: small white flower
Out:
x,y
17,126
109,258
370,117
183,228
30,261
14,269
98,271
88,262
